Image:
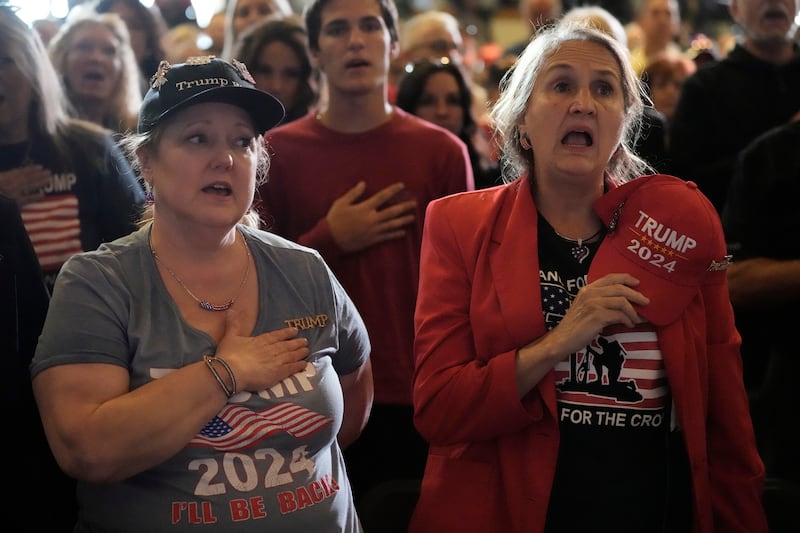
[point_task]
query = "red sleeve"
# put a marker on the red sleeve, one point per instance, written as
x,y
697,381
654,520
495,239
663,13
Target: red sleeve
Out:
x,y
457,398
735,468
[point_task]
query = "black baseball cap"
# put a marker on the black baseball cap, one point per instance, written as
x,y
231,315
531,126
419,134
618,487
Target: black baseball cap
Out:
x,y
204,79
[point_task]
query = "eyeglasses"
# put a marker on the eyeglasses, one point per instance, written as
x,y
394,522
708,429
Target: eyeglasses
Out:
x,y
441,47
435,62
87,48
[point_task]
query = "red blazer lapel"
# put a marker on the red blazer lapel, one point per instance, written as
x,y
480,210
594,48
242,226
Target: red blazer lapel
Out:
x,y
515,265
514,261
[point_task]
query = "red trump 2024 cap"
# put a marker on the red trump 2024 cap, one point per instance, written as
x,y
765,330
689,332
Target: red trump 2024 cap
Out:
x,y
666,233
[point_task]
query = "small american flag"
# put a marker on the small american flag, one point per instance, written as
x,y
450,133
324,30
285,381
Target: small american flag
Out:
x,y
237,427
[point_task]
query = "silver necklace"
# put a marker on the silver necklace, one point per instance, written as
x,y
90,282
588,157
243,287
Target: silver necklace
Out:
x,y
204,304
579,250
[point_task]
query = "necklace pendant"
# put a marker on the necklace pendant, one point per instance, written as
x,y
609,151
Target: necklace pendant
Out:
x,y
580,253
208,306
205,304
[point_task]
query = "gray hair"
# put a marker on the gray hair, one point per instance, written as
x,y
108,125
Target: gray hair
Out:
x,y
598,18
413,29
517,86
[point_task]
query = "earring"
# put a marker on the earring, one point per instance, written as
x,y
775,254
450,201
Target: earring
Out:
x,y
149,198
525,141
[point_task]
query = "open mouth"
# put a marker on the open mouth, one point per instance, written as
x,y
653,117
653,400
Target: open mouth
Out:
x,y
93,76
219,189
356,63
577,138
775,15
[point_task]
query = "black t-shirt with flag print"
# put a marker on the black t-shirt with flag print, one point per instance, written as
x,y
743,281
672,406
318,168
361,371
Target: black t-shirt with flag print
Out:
x,y
620,467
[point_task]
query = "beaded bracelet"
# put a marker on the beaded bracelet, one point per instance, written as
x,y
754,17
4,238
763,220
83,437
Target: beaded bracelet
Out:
x,y
228,369
210,359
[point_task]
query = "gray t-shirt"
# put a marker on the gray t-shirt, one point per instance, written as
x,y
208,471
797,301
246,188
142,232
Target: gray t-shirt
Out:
x,y
269,461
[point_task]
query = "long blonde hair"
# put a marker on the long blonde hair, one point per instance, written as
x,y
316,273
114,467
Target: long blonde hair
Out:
x,y
127,97
23,46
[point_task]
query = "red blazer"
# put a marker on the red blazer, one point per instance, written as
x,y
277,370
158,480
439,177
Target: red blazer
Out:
x,y
492,457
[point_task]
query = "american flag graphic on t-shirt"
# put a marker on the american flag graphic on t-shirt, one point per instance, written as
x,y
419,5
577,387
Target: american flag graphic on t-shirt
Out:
x,y
237,427
637,382
642,369
54,229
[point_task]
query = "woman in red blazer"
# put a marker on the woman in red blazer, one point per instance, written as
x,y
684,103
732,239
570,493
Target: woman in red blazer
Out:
x,y
577,364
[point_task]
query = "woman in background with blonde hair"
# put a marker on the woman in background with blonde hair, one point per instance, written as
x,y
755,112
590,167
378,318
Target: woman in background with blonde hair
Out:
x,y
146,26
93,56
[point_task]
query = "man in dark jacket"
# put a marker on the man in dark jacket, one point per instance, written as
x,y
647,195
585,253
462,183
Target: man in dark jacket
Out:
x,y
761,223
726,105
723,107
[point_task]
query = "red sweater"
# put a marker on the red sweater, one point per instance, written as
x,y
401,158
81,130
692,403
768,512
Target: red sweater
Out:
x,y
492,457
312,166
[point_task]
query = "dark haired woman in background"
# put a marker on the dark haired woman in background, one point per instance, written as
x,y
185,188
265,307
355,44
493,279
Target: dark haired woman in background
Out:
x,y
438,92
275,51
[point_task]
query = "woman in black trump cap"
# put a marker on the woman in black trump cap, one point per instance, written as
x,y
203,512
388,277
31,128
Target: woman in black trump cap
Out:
x,y
577,365
200,372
